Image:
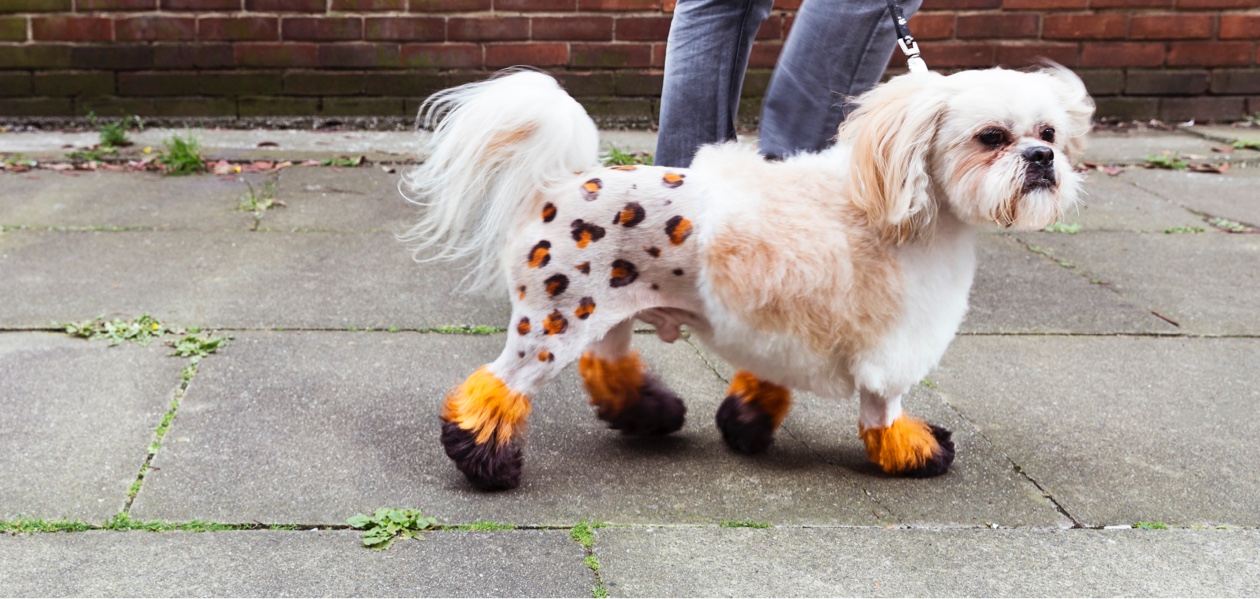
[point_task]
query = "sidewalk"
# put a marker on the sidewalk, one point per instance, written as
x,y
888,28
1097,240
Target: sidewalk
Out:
x,y
1104,378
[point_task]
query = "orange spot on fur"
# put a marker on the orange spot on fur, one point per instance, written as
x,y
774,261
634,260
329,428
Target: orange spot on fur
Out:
x,y
771,398
673,179
611,383
586,307
906,445
625,167
678,229
485,406
523,327
540,255
545,356
549,212
555,323
591,186
522,289
584,239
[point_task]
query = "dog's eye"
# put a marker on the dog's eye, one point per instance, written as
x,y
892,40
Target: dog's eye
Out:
x,y
1047,135
992,137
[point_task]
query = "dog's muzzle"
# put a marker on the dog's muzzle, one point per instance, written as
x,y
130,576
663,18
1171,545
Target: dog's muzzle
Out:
x,y
1039,172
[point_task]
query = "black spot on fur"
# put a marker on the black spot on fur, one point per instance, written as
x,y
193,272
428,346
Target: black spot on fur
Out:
x,y
520,354
939,463
590,189
678,272
549,212
745,427
584,268
540,254
653,251
487,466
623,273
630,216
655,287
656,411
584,232
556,284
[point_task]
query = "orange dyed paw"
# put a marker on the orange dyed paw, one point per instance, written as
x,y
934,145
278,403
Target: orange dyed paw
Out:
x,y
910,447
752,411
628,398
481,420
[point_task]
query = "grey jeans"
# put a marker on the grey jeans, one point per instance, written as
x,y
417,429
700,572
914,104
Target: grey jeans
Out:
x,y
836,49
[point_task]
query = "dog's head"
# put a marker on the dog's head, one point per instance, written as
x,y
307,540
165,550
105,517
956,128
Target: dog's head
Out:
x,y
992,146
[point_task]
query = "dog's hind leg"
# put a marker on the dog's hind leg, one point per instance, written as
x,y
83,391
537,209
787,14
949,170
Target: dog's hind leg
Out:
x,y
902,444
624,393
752,411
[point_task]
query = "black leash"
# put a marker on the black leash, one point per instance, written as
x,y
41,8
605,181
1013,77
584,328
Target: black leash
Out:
x,y
904,40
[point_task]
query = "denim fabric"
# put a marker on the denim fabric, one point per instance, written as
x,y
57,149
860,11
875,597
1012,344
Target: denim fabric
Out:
x,y
836,49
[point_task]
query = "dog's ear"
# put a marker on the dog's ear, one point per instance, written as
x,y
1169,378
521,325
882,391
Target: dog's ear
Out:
x,y
1080,108
892,133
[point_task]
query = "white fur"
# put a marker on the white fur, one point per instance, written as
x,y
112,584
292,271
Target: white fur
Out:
x,y
909,159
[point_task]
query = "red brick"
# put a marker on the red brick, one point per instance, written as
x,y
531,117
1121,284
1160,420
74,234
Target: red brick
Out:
x,y
193,56
947,55
13,29
765,55
322,29
997,25
668,5
75,29
1097,4
1210,54
1202,108
272,54
643,29
787,4
1045,4
1165,82
62,83
201,4
1032,54
535,5
277,106
428,6
319,83
105,5
35,106
112,57
441,56
238,28
1085,26
771,29
1205,4
405,29
286,5
575,28
610,55
587,84
625,5
360,56
658,55
960,4
155,29
932,25
15,84
158,84
1236,81
538,54
368,5
1172,27
35,56
487,29
1122,54
1240,27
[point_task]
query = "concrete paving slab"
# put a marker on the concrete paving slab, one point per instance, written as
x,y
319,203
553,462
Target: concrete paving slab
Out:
x,y
341,199
1020,291
76,419
1228,133
135,200
527,563
1135,145
1234,194
314,427
1208,282
1118,203
861,562
1120,429
232,280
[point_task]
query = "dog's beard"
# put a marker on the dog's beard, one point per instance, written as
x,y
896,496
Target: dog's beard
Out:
x,y
1005,191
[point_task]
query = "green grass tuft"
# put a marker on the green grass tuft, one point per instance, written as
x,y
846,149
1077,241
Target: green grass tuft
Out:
x,y
743,524
1150,525
182,156
584,532
465,329
34,525
1175,230
1170,161
1061,227
615,157
485,525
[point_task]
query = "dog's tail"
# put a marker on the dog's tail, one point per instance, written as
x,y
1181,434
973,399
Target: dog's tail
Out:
x,y
495,145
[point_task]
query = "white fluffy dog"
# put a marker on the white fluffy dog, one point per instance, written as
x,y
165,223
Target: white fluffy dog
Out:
x,y
844,273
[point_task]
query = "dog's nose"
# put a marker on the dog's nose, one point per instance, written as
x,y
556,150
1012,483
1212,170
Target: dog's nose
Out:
x,y
1041,155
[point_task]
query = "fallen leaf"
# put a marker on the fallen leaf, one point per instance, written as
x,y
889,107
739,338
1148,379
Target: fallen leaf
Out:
x,y
268,144
1203,167
1223,150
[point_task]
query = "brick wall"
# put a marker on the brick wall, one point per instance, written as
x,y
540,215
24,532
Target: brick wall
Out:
x,y
1168,59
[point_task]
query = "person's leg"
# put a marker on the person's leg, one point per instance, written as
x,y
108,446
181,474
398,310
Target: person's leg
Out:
x,y
707,53
836,50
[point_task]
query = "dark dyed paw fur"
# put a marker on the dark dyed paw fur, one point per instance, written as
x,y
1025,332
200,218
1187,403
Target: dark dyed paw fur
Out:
x,y
939,463
745,427
658,411
488,467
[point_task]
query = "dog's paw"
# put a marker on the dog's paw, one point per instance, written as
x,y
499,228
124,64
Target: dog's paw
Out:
x,y
910,447
745,427
656,411
489,466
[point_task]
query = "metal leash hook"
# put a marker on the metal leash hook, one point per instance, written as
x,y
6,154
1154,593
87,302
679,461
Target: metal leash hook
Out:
x,y
905,41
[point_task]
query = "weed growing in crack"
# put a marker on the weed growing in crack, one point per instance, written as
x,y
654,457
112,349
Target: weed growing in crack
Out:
x,y
259,202
387,525
182,156
1227,225
584,532
465,329
484,525
141,331
1176,230
34,525
1150,526
124,521
615,157
743,524
1062,227
1168,160
343,161
1246,144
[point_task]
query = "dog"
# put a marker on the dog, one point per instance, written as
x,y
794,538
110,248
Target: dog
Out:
x,y
844,272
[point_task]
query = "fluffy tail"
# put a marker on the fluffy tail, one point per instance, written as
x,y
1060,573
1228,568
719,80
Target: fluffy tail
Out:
x,y
495,145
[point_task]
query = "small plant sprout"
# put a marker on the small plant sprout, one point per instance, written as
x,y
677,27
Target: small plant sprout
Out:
x,y
142,330
1167,160
1062,227
343,161
387,525
616,157
584,532
258,202
1150,526
743,524
1246,144
1175,230
1228,226
182,156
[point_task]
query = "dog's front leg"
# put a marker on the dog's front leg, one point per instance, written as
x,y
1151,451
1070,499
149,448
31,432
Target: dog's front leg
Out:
x,y
899,443
752,412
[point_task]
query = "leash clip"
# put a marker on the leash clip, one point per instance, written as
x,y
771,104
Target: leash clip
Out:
x,y
904,40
